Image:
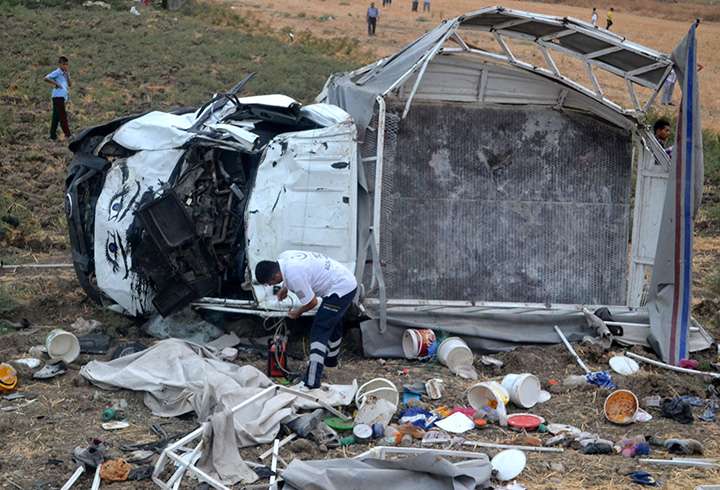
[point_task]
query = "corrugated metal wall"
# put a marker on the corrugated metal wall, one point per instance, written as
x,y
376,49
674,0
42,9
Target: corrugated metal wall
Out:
x,y
506,204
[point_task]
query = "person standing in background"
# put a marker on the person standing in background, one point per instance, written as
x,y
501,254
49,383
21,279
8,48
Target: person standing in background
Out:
x,y
668,88
594,17
414,6
609,19
372,16
61,83
426,5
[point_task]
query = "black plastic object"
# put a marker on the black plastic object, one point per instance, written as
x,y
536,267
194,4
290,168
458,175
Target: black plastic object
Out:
x,y
94,343
166,221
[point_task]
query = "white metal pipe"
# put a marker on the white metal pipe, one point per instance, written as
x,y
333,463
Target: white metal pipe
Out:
x,y
194,469
680,462
73,478
377,191
572,351
671,367
273,465
96,479
492,445
282,443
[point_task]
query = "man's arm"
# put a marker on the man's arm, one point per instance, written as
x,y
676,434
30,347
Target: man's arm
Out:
x,y
297,312
50,78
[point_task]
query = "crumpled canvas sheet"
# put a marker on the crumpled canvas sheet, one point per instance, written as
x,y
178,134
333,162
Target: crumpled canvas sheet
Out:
x,y
179,377
422,472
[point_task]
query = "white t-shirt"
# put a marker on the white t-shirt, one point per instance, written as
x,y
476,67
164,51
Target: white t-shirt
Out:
x,y
311,273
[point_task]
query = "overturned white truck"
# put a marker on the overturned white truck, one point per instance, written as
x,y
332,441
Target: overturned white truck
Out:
x,y
480,191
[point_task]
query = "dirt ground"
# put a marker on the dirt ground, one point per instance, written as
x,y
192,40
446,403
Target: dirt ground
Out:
x,y
38,438
398,26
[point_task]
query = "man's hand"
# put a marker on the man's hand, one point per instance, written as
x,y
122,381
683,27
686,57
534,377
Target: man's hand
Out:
x,y
294,314
282,294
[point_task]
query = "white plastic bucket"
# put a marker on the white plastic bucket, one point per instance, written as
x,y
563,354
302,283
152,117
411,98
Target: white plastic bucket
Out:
x,y
62,345
379,388
416,342
524,389
487,394
454,352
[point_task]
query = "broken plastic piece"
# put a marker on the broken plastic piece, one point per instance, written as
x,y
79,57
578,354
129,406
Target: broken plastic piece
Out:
x,y
50,370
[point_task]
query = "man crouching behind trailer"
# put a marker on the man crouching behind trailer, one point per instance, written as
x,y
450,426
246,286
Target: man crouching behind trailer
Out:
x,y
309,275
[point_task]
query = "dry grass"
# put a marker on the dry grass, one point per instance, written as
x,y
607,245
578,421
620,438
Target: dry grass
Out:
x,y
398,26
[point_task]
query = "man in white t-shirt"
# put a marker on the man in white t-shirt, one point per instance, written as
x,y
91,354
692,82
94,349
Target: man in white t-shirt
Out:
x,y
311,275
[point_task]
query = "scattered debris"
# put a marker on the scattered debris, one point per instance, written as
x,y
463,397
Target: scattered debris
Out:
x,y
434,388
82,326
90,3
677,409
94,343
134,10
8,378
642,478
29,362
51,369
457,423
686,447
115,425
185,324
115,470
491,361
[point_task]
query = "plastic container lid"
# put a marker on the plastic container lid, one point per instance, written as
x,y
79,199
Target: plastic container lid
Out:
x,y
509,464
362,432
338,424
526,421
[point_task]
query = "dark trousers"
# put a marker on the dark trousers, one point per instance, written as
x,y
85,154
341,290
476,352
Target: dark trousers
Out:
x,y
59,115
326,336
372,23
414,6
609,24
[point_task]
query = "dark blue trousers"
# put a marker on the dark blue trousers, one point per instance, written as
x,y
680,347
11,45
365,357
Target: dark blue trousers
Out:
x,y
326,336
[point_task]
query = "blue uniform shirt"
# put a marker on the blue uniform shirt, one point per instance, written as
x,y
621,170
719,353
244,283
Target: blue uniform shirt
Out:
x,y
58,76
373,13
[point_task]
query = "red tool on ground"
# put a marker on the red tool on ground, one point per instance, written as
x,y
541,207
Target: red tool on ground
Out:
x,y
277,358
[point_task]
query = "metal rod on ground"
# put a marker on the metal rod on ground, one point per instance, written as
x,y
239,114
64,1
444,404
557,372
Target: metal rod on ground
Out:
x,y
96,479
672,368
273,465
202,476
68,484
571,350
680,462
35,266
492,445
282,443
